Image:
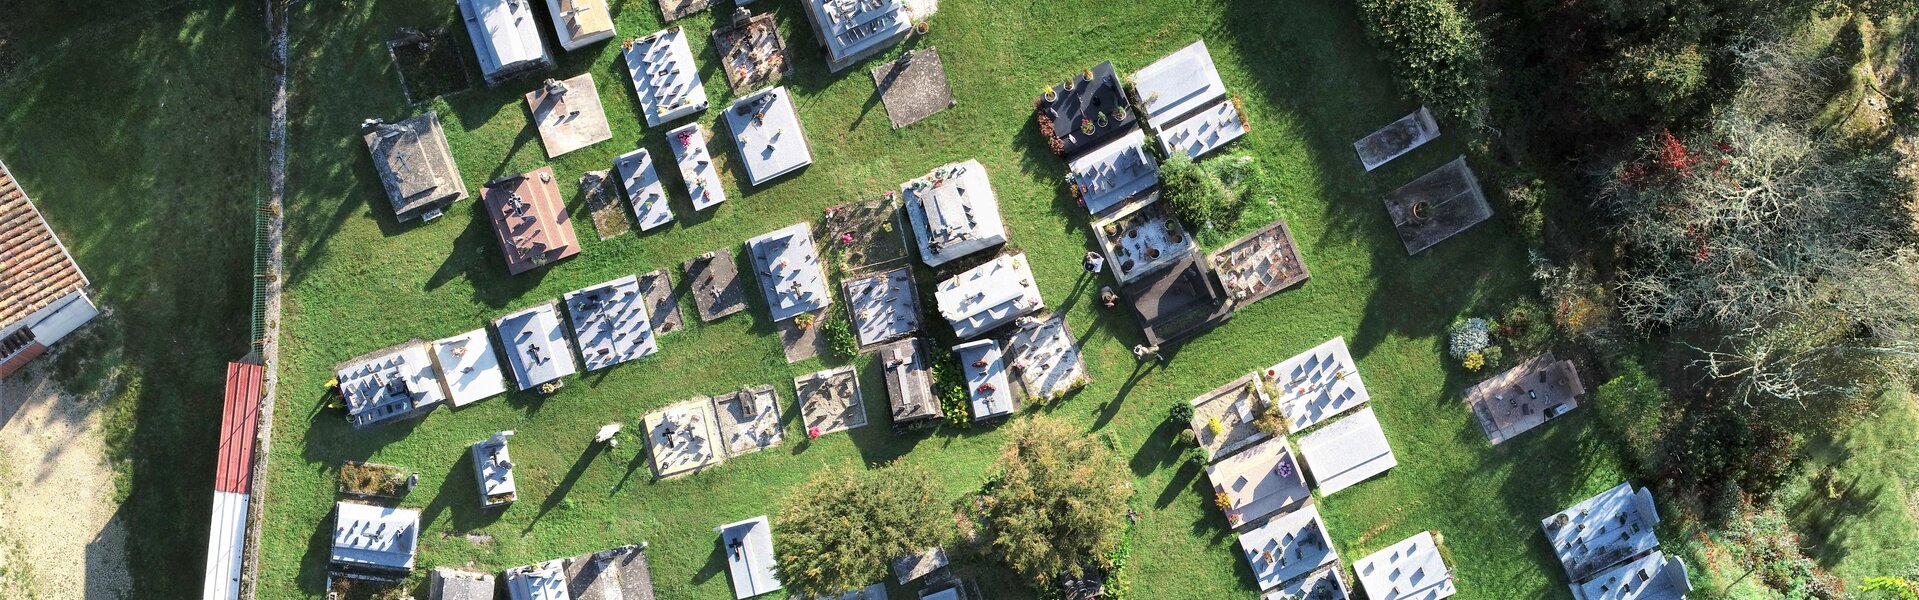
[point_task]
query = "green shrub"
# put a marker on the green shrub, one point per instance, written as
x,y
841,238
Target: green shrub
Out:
x,y
950,384
1651,81
1181,415
1195,195
1435,52
839,335
1632,405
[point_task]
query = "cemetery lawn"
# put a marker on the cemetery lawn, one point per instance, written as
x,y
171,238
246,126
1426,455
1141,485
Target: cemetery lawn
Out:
x,y
1310,83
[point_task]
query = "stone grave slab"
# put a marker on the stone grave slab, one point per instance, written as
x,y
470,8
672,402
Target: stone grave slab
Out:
x,y
715,283
697,169
749,420
1047,359
1260,264
883,305
767,133
752,53
643,190
609,217
662,305
802,344
913,87
674,10
610,324
664,77
830,401
682,439
1205,131
568,114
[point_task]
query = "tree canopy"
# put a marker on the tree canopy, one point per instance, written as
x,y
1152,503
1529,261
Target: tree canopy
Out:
x,y
1060,501
841,530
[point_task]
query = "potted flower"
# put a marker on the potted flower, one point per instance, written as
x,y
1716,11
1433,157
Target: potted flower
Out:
x,y
1086,126
1422,211
1102,118
1089,76
1069,84
1119,113
920,27
1051,95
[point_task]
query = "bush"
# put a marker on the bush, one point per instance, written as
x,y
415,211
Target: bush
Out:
x,y
1181,415
1195,195
1435,52
840,337
1654,82
804,321
1468,337
950,384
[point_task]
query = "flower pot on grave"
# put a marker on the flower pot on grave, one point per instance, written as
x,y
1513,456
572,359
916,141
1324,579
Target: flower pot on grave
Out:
x,y
1422,211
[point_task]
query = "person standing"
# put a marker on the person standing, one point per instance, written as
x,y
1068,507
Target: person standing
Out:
x,y
1093,262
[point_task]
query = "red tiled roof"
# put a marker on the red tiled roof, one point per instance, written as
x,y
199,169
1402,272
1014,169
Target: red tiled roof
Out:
x,y
35,270
21,358
535,231
238,422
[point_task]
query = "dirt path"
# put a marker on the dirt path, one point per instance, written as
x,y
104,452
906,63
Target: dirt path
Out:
x,y
56,496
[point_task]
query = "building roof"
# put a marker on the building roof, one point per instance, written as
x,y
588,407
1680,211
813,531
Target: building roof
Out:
x,y
1347,452
239,426
1316,385
697,168
375,538
909,383
641,181
664,76
35,269
536,349
988,296
226,546
1651,577
454,584
469,367
1287,546
1261,480
1112,174
1085,102
853,28
986,384
748,546
789,271
767,131
416,166
1178,301
530,220
954,212
389,383
538,581
493,469
580,22
506,37
1412,569
610,324
1174,86
883,305
1603,530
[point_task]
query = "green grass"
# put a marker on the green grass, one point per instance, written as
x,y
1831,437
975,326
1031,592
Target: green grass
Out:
x,y
1856,506
136,132
1311,84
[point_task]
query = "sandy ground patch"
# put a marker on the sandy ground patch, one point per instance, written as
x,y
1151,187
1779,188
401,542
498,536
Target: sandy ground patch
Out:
x,y
56,496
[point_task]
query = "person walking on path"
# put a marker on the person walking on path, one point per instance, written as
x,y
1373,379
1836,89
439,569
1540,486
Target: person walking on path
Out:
x,y
1093,262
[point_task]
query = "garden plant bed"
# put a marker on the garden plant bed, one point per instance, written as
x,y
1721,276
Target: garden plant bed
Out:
x,y
1260,264
801,343
375,481
751,53
864,234
429,63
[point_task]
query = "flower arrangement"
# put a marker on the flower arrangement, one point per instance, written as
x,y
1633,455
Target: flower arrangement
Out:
x,y
1119,113
1223,501
1469,337
1474,361
1050,95
1102,118
1086,126
1215,427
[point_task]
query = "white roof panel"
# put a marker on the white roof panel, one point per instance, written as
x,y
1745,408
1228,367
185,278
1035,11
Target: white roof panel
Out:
x,y
1347,452
1180,83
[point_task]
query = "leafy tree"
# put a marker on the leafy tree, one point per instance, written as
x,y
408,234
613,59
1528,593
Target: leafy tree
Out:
x,y
1059,503
843,528
1435,50
1790,248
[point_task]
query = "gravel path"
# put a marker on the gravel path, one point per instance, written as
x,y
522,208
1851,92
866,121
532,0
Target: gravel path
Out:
x,y
56,496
